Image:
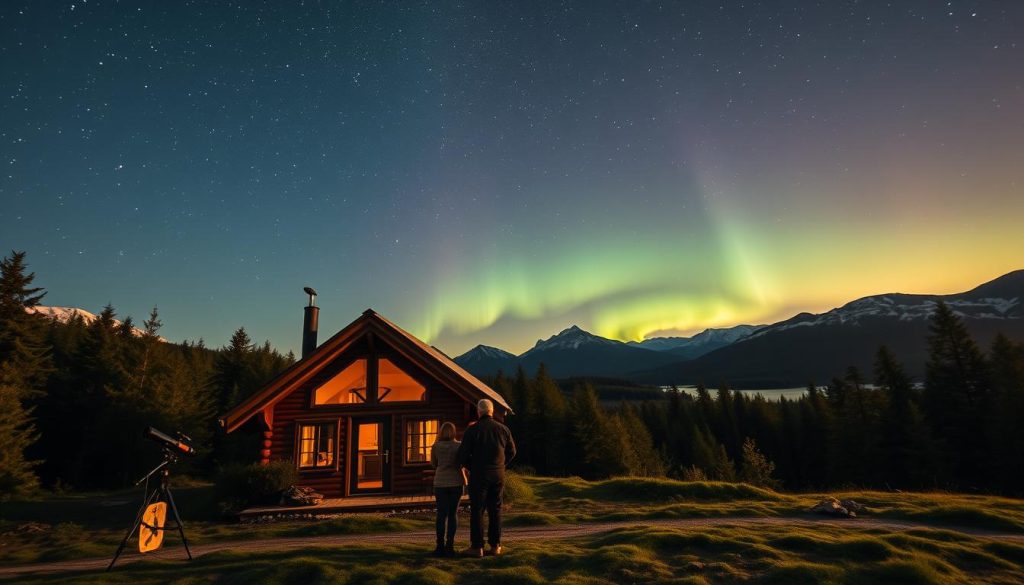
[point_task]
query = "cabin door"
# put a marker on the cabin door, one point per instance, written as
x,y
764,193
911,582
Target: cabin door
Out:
x,y
370,459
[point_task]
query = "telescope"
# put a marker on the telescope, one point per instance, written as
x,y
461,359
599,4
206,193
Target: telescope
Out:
x,y
150,522
180,445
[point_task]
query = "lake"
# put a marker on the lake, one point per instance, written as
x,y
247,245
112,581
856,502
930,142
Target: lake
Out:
x,y
773,394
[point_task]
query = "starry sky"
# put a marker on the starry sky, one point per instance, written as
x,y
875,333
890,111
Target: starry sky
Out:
x,y
492,172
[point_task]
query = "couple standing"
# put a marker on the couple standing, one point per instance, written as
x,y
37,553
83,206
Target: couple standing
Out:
x,y
485,449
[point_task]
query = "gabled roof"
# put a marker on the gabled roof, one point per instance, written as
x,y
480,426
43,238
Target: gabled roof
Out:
x,y
433,361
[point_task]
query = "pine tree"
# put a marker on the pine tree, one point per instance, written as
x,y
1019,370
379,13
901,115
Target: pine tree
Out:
x,y
957,397
549,428
906,450
598,437
1007,465
24,365
17,477
710,457
16,290
646,460
726,425
231,370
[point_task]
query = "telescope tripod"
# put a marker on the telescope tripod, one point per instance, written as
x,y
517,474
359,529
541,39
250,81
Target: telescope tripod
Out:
x,y
162,492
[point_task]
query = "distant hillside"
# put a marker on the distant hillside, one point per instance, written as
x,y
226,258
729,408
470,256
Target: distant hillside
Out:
x,y
817,347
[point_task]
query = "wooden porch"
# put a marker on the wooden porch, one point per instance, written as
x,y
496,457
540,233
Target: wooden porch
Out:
x,y
349,504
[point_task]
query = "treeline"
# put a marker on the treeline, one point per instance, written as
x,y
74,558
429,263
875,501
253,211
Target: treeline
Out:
x,y
962,429
75,397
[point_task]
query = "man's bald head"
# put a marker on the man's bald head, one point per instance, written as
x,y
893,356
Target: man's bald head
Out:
x,y
485,406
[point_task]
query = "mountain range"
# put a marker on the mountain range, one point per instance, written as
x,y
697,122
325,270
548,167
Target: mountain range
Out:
x,y
65,314
806,347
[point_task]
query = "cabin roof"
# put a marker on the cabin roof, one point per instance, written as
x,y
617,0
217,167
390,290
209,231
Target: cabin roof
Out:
x,y
432,360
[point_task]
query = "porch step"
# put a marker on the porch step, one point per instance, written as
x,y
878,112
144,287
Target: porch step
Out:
x,y
345,505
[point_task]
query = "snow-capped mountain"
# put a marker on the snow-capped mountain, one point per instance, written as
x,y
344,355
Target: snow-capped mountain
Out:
x,y
704,342
571,338
487,359
902,307
791,352
65,314
482,352
661,343
816,347
572,352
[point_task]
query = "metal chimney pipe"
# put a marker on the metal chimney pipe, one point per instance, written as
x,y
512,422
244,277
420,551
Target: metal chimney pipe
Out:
x,y
309,323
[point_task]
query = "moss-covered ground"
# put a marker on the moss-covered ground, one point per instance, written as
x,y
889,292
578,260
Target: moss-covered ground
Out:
x,y
949,547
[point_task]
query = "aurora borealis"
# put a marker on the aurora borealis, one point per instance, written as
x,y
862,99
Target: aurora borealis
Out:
x,y
494,172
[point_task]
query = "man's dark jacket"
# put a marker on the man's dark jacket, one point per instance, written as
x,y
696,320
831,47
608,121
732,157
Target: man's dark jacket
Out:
x,y
486,447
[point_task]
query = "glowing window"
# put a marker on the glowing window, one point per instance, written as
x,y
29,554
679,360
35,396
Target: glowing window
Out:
x,y
316,445
347,387
419,438
394,385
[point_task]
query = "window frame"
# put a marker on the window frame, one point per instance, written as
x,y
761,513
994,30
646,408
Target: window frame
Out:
x,y
398,366
335,424
366,389
372,384
420,416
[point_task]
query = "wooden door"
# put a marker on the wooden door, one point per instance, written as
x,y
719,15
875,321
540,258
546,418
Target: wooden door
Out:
x,y
370,456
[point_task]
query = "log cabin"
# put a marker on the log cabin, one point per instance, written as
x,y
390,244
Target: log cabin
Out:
x,y
358,414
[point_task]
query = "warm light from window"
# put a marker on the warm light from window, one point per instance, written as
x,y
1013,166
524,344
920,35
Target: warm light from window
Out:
x,y
394,385
316,445
419,438
347,387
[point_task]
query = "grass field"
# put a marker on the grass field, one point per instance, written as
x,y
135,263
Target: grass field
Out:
x,y
91,526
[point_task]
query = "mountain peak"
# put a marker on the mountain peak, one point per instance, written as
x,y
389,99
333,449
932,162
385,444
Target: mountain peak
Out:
x,y
485,354
487,351
571,337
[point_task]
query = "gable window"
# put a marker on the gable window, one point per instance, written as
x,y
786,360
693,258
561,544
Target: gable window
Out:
x,y
394,385
316,445
346,387
419,438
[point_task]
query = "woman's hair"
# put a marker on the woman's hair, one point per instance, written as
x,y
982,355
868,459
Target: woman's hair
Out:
x,y
447,432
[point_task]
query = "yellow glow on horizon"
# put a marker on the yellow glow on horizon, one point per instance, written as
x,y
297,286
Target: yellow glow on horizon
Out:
x,y
741,271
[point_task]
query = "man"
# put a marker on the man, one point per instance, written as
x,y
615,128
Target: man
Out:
x,y
486,447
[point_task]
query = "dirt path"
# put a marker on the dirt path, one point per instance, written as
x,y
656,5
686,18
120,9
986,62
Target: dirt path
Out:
x,y
511,535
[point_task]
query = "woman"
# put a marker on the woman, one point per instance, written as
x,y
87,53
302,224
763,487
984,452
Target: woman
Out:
x,y
449,479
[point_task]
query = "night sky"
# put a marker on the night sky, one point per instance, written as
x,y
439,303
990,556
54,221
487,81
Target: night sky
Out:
x,y
493,172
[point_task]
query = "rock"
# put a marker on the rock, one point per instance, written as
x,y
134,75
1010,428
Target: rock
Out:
x,y
695,566
301,496
853,506
833,507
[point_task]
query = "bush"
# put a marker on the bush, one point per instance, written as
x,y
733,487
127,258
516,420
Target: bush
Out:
x,y
693,473
517,491
756,469
239,486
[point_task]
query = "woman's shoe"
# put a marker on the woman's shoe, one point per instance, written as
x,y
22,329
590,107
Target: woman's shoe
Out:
x,y
449,549
439,551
